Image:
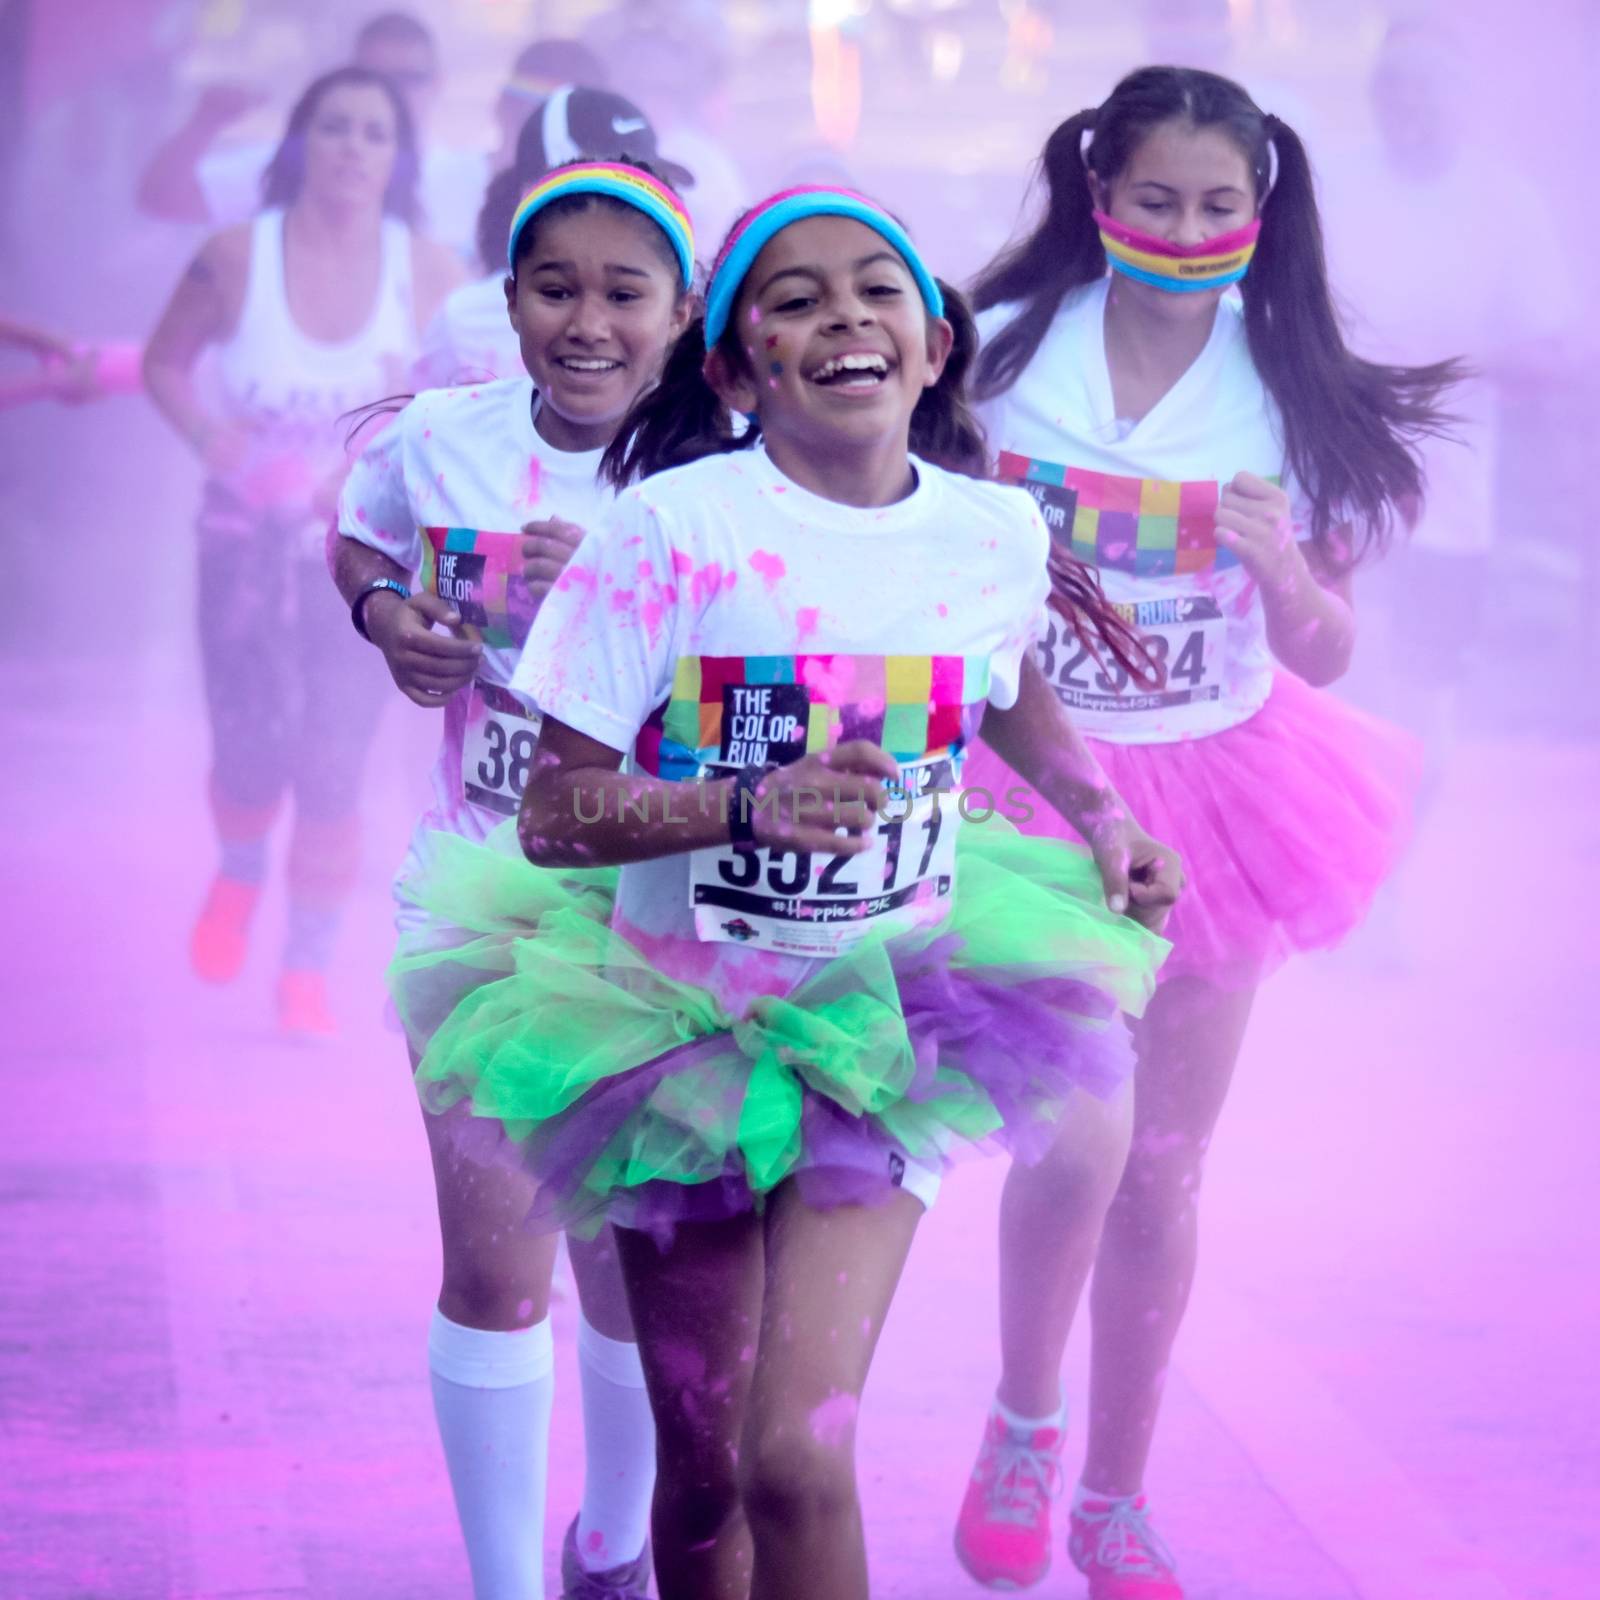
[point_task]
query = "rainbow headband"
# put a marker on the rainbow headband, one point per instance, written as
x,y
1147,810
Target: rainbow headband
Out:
x,y
1182,268
628,184
753,231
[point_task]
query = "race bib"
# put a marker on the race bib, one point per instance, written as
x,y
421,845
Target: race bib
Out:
x,y
497,749
1186,637
794,902
481,574
1146,527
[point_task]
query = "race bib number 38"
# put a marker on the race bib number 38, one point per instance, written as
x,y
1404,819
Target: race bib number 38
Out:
x,y
497,750
1185,635
798,903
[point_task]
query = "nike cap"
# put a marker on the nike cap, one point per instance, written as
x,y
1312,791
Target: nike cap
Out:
x,y
576,122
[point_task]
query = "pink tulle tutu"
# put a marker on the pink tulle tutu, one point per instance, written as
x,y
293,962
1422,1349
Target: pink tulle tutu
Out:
x,y
1287,824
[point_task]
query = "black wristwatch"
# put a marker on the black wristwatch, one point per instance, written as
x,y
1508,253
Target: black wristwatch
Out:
x,y
358,606
742,806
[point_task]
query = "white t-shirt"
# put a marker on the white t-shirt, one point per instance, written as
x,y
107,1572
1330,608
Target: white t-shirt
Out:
x,y
725,616
1424,269
450,188
1138,502
444,491
470,339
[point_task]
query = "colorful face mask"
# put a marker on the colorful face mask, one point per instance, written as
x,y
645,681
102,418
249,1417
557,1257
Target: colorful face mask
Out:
x,y
1180,268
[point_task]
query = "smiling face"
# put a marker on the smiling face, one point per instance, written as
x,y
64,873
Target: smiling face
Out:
x,y
837,345
595,302
351,145
1185,185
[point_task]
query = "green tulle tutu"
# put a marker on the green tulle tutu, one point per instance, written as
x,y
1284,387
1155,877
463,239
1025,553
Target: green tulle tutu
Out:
x,y
553,1041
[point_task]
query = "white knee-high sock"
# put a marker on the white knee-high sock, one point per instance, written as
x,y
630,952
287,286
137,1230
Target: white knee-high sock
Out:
x,y
492,1394
619,1446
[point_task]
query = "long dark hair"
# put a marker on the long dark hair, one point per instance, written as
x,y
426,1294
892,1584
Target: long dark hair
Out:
x,y
286,172
682,419
1351,426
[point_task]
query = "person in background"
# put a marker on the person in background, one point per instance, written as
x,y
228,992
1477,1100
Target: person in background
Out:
x,y
314,308
542,68
62,370
675,60
190,178
472,339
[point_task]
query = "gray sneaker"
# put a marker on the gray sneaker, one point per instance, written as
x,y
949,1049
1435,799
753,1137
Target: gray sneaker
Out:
x,y
631,1581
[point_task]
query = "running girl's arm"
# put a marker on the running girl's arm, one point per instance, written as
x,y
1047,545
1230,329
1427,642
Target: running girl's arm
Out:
x,y
1310,611
376,539
1036,738
35,341
67,381
169,187
202,311
580,810
427,667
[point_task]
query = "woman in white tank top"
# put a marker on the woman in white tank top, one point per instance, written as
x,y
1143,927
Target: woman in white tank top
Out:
x,y
313,309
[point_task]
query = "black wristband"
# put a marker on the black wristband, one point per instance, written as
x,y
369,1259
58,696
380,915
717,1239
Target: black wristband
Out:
x,y
358,606
742,807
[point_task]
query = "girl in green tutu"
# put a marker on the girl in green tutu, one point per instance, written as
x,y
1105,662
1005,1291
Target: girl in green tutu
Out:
x,y
827,969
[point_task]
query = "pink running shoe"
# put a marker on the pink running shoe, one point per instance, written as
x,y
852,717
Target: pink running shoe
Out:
x,y
1112,1543
220,938
1003,1532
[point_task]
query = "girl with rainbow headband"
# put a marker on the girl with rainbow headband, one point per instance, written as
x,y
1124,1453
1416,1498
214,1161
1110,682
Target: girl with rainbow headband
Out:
x,y
1222,465
485,492
818,981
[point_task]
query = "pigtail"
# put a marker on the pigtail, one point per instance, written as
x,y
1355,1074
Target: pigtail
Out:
x,y
1077,598
1351,426
943,427
679,419
1061,254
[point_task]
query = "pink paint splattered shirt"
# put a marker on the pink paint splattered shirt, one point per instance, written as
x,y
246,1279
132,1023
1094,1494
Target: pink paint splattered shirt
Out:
x,y
444,492
725,562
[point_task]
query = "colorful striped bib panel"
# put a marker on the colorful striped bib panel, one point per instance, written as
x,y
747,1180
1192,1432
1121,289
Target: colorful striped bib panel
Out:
x,y
736,711
1144,526
728,712
481,575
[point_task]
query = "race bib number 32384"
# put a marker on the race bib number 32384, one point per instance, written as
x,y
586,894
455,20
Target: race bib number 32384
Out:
x,y
1185,637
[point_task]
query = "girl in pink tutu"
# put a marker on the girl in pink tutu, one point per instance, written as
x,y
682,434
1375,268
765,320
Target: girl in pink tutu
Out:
x,y
1223,462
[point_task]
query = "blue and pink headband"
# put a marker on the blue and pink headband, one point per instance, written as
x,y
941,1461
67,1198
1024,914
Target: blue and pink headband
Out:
x,y
759,225
621,182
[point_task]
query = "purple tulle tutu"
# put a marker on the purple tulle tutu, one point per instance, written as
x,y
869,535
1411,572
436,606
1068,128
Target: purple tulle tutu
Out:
x,y
1287,824
635,1097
